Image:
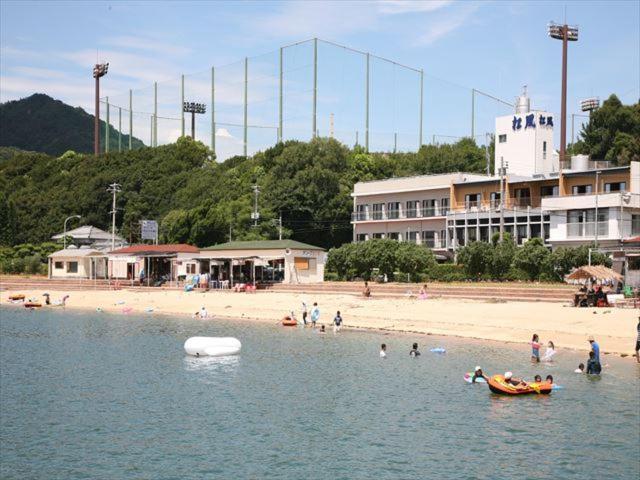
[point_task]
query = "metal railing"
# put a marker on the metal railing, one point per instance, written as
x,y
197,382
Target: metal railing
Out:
x,y
587,229
398,214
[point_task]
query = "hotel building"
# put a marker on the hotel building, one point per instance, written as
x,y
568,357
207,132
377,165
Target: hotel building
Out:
x,y
574,203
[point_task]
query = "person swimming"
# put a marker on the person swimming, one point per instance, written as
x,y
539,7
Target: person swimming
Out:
x,y
414,351
322,330
549,379
537,379
478,373
580,369
593,366
383,350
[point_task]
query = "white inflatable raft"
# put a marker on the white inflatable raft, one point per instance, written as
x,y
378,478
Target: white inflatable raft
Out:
x,y
212,346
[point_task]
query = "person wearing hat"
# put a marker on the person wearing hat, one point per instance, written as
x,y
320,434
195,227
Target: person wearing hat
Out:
x,y
478,373
516,382
595,348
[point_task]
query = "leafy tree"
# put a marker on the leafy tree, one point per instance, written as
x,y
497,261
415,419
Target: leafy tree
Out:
x,y
414,259
613,133
476,258
502,258
531,258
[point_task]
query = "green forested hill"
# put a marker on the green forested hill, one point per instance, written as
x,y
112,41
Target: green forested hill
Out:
x,y
198,200
42,124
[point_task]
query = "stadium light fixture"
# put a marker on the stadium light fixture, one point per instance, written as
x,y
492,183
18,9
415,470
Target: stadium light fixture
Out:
x,y
193,108
99,70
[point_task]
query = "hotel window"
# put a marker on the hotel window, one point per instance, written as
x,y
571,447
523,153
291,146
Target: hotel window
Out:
x,y
442,241
494,199
549,191
394,236
615,187
58,265
361,237
191,268
581,223
635,224
412,208
502,138
72,267
471,200
429,238
544,150
412,237
377,211
523,197
393,210
361,212
581,189
444,206
377,235
429,208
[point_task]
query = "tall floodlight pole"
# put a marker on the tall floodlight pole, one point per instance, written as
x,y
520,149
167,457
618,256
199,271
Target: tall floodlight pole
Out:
x,y
106,129
182,103
193,108
213,110
114,188
421,107
315,87
246,90
99,70
366,109
155,115
280,99
64,235
567,34
130,118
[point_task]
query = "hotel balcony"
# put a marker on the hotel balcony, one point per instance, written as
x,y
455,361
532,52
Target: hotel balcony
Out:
x,y
588,201
386,215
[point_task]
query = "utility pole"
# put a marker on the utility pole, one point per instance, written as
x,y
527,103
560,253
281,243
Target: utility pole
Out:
x,y
255,215
99,70
114,188
596,219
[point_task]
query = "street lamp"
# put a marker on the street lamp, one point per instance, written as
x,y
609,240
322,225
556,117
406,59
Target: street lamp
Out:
x,y
64,235
567,34
193,108
99,70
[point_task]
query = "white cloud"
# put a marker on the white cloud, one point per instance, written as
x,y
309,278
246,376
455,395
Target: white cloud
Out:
x,y
443,26
393,7
223,132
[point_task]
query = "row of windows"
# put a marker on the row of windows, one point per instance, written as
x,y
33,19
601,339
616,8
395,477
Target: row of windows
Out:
x,y
395,210
72,267
429,238
608,188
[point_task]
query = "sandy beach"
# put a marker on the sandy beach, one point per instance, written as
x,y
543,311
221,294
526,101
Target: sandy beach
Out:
x,y
568,327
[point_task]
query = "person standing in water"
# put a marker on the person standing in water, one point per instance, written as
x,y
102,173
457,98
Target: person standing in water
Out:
x,y
337,322
535,348
304,313
414,351
595,348
638,342
549,352
315,314
383,350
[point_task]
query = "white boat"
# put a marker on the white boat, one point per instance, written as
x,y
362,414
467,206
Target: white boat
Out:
x,y
212,346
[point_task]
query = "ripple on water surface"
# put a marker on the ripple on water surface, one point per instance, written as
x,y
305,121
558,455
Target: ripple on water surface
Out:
x,y
113,396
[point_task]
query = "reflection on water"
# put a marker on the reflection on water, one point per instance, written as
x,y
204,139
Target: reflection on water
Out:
x,y
114,396
224,365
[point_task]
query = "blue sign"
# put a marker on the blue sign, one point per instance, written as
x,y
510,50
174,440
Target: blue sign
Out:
x,y
530,121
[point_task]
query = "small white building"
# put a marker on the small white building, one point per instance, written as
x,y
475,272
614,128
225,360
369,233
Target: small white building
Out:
x,y
169,261
286,261
73,262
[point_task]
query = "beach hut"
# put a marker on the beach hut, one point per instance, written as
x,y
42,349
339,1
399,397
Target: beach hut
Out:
x,y
73,262
598,273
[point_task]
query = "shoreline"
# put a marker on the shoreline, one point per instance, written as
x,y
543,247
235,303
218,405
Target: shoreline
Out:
x,y
506,322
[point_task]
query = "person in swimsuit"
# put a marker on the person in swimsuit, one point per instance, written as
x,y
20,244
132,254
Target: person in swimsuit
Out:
x,y
337,322
535,348
478,373
414,351
383,350
549,379
537,379
638,343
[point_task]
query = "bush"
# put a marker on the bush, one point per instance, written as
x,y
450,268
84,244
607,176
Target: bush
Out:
x,y
444,272
531,258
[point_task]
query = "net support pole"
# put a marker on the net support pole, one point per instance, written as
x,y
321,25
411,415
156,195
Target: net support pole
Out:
x,y
473,114
421,107
106,130
130,118
119,129
182,105
213,110
366,109
155,115
246,82
280,98
315,88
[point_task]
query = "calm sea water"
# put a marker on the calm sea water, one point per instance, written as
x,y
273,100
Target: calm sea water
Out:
x,y
113,396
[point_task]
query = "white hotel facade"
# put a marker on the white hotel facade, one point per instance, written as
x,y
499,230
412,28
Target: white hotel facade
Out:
x,y
560,205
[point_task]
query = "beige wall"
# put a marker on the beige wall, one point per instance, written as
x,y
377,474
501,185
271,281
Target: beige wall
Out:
x,y
83,267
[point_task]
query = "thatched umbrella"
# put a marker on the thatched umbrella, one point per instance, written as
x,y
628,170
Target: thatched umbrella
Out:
x,y
597,272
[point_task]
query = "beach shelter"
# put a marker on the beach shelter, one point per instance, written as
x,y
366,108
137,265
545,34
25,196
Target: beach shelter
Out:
x,y
597,272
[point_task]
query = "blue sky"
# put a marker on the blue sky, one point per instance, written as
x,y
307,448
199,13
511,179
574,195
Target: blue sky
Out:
x,y
495,47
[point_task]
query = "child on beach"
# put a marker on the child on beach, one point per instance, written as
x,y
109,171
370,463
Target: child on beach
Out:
x,y
383,350
422,295
535,348
337,322
315,314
